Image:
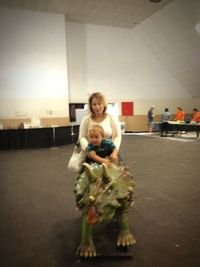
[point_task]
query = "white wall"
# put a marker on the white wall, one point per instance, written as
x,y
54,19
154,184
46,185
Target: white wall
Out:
x,y
155,62
33,73
117,62
172,38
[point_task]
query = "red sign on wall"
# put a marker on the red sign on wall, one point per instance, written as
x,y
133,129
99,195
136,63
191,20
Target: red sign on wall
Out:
x,y
127,108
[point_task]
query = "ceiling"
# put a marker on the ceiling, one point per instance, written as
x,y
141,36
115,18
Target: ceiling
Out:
x,y
116,13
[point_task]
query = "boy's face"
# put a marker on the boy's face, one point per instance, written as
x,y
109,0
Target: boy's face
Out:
x,y
95,138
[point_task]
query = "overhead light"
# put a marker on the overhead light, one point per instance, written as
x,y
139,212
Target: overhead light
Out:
x,y
155,1
198,27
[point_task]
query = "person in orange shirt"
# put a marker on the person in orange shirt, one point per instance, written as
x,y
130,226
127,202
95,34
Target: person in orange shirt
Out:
x,y
180,114
195,115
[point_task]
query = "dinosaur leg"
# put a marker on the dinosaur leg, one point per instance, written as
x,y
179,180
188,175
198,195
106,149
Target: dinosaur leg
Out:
x,y
125,238
86,248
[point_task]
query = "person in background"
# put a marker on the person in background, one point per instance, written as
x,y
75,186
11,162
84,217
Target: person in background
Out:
x,y
99,116
150,117
99,149
165,117
180,118
180,114
195,115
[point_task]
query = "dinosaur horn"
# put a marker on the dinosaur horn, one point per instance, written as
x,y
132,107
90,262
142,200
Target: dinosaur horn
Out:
x,y
91,175
106,175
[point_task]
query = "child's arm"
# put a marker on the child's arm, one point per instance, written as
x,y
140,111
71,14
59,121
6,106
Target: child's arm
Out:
x,y
114,155
95,157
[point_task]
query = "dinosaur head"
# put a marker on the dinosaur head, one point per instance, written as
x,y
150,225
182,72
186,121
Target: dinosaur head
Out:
x,y
102,190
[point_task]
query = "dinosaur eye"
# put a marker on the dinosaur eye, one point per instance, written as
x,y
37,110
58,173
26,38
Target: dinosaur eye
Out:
x,y
109,190
92,198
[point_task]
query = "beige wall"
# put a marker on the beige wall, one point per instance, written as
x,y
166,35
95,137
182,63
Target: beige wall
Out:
x,y
137,123
141,106
45,122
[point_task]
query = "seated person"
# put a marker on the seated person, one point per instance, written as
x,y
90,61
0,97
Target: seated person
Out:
x,y
180,115
99,149
195,115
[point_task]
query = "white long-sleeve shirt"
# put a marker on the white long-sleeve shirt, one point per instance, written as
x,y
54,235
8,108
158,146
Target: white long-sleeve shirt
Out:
x,y
111,129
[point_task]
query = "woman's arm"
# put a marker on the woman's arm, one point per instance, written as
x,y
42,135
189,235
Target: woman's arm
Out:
x,y
116,135
83,132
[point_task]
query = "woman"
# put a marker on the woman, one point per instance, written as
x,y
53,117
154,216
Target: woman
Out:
x,y
99,116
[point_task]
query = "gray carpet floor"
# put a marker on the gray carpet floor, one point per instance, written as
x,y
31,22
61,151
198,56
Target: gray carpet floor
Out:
x,y
40,227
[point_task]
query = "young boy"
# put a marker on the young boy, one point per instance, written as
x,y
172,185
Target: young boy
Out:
x,y
99,149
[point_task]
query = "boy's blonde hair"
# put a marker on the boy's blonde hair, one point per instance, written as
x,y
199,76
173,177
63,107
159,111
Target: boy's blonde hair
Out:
x,y
98,129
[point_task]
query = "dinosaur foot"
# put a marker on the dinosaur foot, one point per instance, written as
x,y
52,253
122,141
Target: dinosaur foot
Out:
x,y
86,251
125,239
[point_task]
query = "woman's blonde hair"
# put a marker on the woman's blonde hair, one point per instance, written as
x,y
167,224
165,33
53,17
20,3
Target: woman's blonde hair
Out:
x,y
98,129
100,98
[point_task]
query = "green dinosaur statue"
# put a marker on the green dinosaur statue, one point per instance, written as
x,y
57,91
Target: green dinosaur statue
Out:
x,y
103,194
